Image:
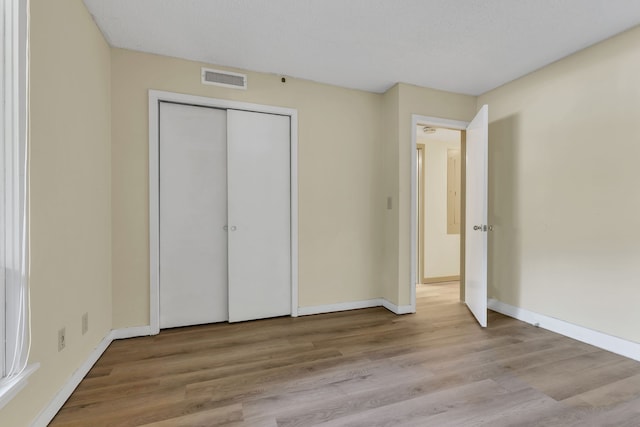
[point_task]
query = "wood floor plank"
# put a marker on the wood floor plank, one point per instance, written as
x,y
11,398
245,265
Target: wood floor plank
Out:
x,y
214,417
362,368
608,395
422,407
190,369
341,398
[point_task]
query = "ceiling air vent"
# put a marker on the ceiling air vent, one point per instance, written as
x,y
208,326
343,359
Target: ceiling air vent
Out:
x,y
224,78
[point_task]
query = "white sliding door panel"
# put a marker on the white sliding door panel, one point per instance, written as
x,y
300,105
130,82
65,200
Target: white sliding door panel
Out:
x,y
193,214
259,210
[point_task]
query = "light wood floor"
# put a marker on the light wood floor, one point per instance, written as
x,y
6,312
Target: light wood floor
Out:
x,y
359,368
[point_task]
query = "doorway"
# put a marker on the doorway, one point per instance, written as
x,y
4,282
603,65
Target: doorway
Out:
x,y
439,203
473,209
460,128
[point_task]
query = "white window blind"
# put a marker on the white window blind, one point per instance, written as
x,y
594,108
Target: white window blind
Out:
x,y
14,295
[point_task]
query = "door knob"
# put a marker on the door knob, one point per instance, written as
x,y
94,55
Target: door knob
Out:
x,y
477,227
233,228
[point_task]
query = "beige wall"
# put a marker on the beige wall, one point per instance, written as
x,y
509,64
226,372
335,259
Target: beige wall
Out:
x,y
389,184
564,147
349,163
70,197
340,207
441,250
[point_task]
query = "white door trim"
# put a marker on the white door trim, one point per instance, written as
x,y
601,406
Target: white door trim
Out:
x,y
155,97
429,121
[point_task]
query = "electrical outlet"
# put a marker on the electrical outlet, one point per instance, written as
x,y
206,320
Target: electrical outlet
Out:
x,y
62,339
85,323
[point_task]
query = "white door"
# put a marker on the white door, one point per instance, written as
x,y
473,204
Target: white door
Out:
x,y
259,199
193,214
476,216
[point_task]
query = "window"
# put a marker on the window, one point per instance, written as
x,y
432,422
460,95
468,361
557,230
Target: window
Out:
x,y
14,304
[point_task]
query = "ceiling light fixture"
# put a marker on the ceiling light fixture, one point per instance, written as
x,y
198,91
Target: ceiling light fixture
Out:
x,y
428,130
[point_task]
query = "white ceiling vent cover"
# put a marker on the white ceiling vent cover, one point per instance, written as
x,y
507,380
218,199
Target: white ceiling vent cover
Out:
x,y
224,78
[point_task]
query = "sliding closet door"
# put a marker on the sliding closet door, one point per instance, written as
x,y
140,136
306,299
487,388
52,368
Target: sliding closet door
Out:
x,y
259,199
193,215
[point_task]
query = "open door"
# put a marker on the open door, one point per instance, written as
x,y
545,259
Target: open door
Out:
x,y
476,227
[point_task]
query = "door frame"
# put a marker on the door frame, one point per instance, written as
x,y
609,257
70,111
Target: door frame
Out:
x,y
155,97
420,199
441,123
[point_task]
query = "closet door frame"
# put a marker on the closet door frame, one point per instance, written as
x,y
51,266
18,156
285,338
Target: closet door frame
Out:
x,y
155,97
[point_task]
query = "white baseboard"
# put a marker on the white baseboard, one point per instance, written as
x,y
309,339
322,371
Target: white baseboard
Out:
x,y
137,331
397,309
355,305
50,411
604,341
341,306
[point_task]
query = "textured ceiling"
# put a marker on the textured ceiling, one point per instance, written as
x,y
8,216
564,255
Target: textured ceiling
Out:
x,y
465,46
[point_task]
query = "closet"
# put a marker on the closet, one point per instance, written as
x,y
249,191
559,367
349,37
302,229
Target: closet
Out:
x,y
224,208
